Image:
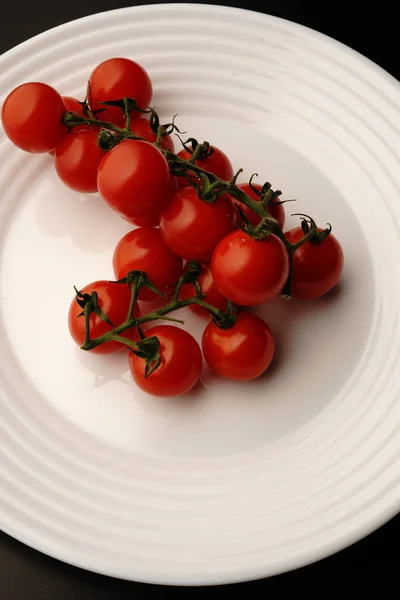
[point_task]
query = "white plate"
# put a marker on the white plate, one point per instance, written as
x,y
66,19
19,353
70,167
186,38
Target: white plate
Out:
x,y
235,481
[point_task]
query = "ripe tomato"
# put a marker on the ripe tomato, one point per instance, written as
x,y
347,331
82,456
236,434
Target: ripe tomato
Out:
x,y
113,299
276,211
218,164
142,128
316,267
242,352
77,160
118,78
208,287
192,228
180,366
73,105
247,271
143,249
31,117
134,179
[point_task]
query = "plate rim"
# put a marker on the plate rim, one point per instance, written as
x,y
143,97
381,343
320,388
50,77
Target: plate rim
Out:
x,y
350,537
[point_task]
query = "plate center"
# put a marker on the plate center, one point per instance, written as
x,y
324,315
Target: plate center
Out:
x,y
59,238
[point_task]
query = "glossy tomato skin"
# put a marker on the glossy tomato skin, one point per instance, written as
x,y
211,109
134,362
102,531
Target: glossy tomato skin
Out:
x,y
143,249
72,105
218,164
142,128
153,219
208,287
77,160
114,301
192,228
180,367
117,78
247,271
242,352
316,267
276,211
134,179
31,117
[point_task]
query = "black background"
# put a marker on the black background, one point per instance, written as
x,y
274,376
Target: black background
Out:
x,y
28,575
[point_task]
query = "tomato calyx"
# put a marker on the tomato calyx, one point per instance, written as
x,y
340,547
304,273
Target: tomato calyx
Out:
x,y
149,350
159,130
309,225
90,304
135,280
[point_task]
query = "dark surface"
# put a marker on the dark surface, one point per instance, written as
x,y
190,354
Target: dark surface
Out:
x,y
29,575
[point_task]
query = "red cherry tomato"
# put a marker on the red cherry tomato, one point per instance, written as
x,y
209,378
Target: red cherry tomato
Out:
x,y
142,128
143,249
77,160
134,179
242,352
180,366
208,287
118,78
218,164
247,271
192,228
316,266
72,105
275,210
31,117
113,299
153,219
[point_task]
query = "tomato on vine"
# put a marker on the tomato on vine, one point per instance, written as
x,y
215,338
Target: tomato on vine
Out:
x,y
180,366
117,78
276,211
209,289
142,128
32,117
77,160
241,352
143,249
192,227
249,271
317,266
217,163
134,179
113,301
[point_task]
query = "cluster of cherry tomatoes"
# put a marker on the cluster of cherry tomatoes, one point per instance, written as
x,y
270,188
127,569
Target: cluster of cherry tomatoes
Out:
x,y
245,257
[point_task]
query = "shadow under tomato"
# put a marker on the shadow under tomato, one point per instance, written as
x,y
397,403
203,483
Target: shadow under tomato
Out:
x,y
106,367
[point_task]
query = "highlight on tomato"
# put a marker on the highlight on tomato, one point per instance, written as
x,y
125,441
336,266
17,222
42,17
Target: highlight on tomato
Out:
x,y
248,271
32,117
77,160
117,78
317,265
134,179
192,227
241,352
